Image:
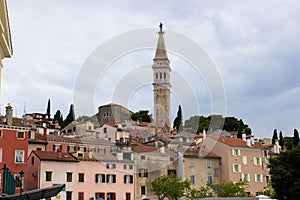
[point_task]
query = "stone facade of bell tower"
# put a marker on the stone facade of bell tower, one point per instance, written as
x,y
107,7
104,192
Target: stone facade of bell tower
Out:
x,y
161,83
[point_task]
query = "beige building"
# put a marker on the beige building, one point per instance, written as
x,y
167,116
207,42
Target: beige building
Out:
x,y
241,160
151,163
201,167
6,50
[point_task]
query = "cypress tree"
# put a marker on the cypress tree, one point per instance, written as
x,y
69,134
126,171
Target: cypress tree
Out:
x,y
48,108
281,140
178,120
296,138
275,136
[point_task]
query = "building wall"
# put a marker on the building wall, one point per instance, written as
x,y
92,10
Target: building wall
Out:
x,y
157,165
59,175
90,187
199,168
112,114
228,160
9,143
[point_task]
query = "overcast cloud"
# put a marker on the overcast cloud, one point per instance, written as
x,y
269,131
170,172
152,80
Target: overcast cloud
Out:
x,y
255,47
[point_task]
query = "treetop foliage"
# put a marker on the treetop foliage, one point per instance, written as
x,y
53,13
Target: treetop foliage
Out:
x,y
142,115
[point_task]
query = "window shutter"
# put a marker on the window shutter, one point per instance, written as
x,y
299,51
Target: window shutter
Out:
x,y
261,178
125,179
259,161
240,168
243,176
233,168
232,151
96,178
249,177
255,161
239,152
114,178
131,179
255,177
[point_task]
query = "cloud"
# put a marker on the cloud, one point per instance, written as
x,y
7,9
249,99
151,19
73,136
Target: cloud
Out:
x,y
254,46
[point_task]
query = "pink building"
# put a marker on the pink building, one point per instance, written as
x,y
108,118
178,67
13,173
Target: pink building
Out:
x,y
86,175
105,176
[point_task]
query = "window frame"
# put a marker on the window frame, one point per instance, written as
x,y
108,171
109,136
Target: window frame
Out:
x,y
48,176
81,177
23,156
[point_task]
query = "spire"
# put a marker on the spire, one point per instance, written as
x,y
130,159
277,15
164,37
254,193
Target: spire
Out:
x,y
161,52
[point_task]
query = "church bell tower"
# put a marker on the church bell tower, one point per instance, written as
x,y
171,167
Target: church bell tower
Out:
x,y
161,83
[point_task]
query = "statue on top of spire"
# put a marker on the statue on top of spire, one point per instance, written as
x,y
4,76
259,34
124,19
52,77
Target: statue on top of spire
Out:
x,y
160,26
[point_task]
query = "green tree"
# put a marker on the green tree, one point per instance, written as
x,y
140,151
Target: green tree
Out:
x,y
58,117
48,108
202,192
170,186
296,138
178,120
275,136
70,117
288,142
230,189
142,115
281,140
285,173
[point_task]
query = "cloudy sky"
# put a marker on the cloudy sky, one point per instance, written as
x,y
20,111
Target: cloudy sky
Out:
x,y
254,48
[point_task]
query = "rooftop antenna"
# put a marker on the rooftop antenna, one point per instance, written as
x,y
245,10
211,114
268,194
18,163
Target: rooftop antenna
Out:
x,y
24,111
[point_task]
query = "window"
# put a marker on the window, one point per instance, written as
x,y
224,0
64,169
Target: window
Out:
x,y
105,130
128,179
71,148
32,160
82,149
143,190
100,178
236,168
165,76
258,178
18,180
110,166
128,167
101,150
0,155
110,178
171,159
208,163
69,176
1,133
192,163
68,195
128,196
19,156
246,177
171,171
100,195
56,147
216,172
192,179
236,152
81,177
48,176
80,196
20,135
143,157
244,160
156,75
160,75
209,179
111,196
257,161
143,172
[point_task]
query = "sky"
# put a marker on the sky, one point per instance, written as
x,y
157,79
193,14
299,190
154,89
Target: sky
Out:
x,y
254,48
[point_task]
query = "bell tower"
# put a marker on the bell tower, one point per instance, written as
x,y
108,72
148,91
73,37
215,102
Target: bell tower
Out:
x,y
161,82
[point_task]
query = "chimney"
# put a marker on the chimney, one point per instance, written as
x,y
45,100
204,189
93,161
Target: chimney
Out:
x,y
162,149
204,134
244,137
252,139
9,115
45,133
248,142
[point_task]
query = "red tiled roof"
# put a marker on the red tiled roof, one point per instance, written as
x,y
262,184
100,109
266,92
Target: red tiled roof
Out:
x,y
55,156
237,142
144,149
15,121
196,154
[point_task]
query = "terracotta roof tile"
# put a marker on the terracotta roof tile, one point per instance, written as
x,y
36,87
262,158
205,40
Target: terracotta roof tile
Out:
x,y
144,149
237,142
55,156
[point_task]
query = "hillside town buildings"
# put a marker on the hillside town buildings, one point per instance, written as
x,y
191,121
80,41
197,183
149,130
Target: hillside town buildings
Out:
x,y
119,159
